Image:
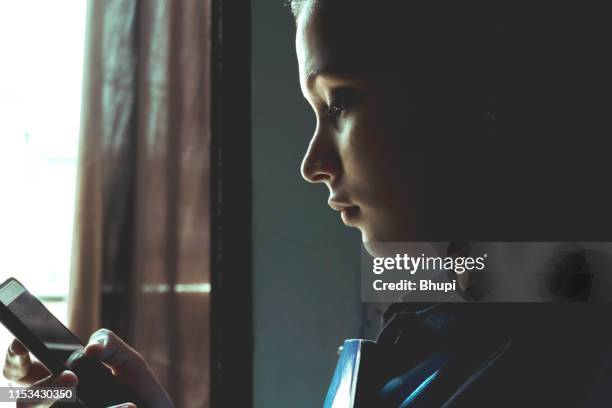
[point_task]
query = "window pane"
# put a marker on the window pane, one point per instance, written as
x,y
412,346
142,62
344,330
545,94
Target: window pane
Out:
x,y
41,43
40,96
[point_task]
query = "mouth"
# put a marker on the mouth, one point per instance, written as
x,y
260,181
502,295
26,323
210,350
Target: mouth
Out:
x,y
348,212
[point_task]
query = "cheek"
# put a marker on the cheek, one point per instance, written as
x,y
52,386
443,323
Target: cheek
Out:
x,y
371,152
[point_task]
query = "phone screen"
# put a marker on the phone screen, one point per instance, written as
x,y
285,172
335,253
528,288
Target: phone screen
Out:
x,y
37,318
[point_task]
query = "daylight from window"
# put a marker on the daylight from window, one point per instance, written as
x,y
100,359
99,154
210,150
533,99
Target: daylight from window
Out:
x,y
41,46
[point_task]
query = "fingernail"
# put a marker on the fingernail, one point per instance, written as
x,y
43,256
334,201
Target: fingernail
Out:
x,y
76,354
99,339
15,349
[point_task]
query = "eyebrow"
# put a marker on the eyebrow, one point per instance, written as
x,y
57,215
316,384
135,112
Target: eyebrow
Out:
x,y
326,69
312,76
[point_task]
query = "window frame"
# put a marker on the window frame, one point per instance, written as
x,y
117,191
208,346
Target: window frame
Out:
x,y
231,206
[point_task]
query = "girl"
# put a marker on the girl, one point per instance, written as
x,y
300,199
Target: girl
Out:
x,y
396,87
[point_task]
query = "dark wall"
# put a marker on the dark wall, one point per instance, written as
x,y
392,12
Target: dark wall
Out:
x,y
306,262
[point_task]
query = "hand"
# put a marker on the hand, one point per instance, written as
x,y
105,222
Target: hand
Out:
x,y
126,363
129,367
18,365
20,368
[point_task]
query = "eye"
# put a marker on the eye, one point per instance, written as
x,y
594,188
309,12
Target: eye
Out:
x,y
335,110
341,101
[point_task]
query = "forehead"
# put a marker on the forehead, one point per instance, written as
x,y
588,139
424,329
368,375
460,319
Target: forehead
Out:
x,y
313,43
327,41
344,42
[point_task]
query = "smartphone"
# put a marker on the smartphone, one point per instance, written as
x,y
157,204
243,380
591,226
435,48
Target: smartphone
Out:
x,y
55,346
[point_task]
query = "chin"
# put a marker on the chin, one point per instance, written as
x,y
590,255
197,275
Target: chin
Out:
x,y
390,235
367,235
373,234
386,225
377,249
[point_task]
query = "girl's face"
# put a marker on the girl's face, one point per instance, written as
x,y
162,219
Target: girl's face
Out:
x,y
362,146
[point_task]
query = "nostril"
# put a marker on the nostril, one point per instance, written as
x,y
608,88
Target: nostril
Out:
x,y
309,168
317,179
314,171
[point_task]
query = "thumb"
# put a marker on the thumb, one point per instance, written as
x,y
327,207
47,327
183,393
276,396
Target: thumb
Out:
x,y
114,352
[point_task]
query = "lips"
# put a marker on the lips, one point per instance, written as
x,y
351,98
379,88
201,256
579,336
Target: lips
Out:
x,y
349,212
339,206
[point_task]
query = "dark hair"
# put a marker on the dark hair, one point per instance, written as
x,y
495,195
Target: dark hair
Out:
x,y
407,39
451,52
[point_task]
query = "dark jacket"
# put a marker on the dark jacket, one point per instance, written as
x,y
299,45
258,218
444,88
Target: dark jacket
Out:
x,y
497,355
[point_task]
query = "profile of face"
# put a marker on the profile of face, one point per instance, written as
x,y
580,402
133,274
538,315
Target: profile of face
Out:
x,y
362,146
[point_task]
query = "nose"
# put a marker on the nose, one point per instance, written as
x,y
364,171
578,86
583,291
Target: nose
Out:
x,y
321,163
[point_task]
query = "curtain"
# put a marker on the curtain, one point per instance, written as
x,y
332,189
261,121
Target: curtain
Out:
x,y
141,239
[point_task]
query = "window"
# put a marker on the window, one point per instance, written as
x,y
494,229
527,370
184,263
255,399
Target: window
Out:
x,y
41,44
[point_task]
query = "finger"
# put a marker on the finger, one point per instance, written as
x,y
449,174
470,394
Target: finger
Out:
x,y
36,373
17,347
110,349
19,367
17,362
128,366
66,379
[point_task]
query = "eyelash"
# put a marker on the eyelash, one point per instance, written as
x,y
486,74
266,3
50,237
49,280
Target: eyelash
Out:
x,y
341,102
335,110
